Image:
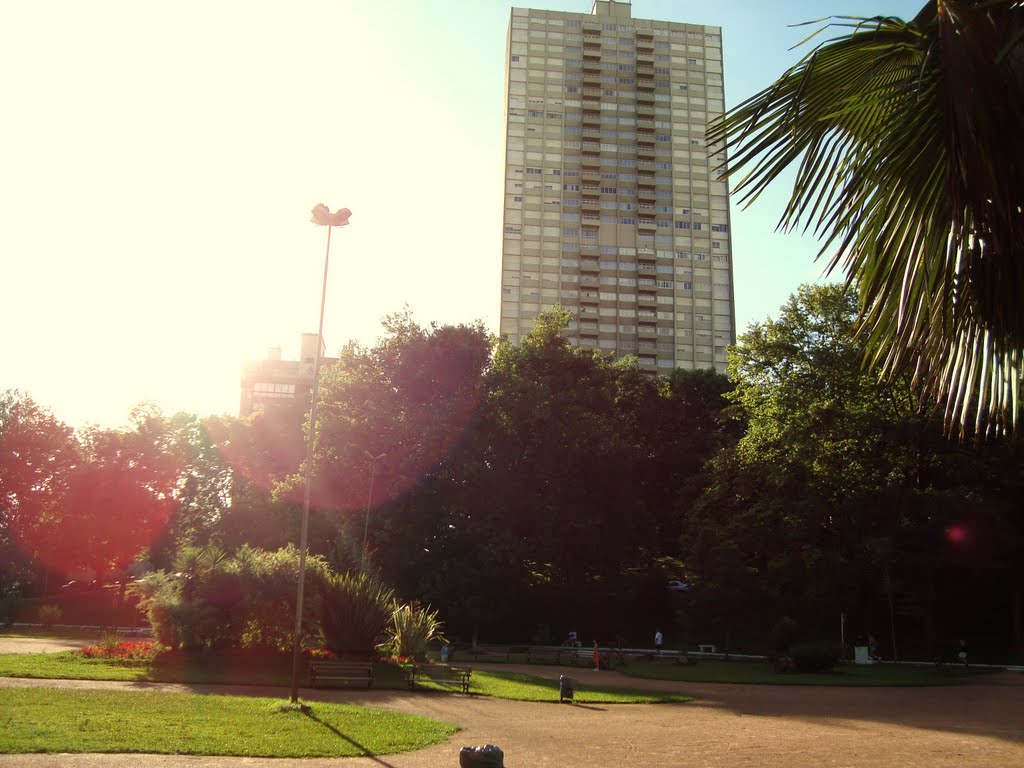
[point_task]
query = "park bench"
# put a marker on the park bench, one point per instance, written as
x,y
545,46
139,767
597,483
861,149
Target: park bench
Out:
x,y
548,655
340,672
441,674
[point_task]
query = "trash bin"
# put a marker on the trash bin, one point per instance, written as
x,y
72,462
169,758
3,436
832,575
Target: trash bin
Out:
x,y
487,756
564,688
860,655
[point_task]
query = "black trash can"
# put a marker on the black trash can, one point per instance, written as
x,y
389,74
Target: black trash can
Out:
x,y
565,691
487,756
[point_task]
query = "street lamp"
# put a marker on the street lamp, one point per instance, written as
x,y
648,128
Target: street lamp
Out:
x,y
369,498
323,217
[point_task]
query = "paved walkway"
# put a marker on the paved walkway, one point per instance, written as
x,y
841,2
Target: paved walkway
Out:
x,y
729,725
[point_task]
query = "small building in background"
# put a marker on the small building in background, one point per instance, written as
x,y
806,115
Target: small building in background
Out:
x,y
274,380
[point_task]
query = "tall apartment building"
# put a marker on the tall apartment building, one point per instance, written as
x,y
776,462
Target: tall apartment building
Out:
x,y
613,208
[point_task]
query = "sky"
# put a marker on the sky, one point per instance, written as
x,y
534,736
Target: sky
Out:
x,y
158,162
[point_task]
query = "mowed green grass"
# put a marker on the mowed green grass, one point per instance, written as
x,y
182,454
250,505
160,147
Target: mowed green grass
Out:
x,y
588,690
70,665
221,669
49,720
757,673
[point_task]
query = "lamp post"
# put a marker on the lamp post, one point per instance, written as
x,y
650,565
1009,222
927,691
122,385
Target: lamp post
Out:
x,y
323,217
369,498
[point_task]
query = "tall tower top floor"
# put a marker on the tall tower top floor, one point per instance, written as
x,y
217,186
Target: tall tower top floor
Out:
x,y
618,9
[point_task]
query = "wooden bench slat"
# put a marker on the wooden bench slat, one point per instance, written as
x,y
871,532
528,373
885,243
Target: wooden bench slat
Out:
x,y
341,671
441,674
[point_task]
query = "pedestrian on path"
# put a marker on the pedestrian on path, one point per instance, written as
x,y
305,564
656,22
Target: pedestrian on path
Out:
x,y
657,641
597,657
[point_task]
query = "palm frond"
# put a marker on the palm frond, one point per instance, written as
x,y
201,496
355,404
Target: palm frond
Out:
x,y
907,143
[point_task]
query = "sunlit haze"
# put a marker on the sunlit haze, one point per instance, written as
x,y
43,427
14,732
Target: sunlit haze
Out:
x,y
159,161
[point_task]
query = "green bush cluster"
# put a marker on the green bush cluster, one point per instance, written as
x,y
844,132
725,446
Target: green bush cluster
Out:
x,y
814,657
214,600
247,600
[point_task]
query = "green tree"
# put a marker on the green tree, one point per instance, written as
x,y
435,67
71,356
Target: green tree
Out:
x,y
410,397
186,466
261,451
905,135
37,452
120,501
840,494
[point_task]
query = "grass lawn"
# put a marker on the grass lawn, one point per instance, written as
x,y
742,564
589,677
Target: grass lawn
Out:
x,y
763,674
521,687
275,669
242,668
46,720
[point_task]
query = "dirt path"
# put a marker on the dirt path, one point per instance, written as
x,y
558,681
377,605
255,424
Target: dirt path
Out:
x,y
729,725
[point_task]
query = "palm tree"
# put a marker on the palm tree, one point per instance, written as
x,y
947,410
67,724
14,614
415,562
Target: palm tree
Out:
x,y
908,141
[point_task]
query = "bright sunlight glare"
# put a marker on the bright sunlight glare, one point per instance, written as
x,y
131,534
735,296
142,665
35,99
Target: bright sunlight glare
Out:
x,y
159,164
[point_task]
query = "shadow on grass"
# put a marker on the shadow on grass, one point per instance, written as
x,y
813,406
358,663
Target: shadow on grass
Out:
x,y
365,751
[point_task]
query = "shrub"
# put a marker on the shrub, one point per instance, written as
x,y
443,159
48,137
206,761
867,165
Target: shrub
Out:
x,y
412,627
10,602
49,614
356,612
159,593
783,635
270,580
814,657
244,601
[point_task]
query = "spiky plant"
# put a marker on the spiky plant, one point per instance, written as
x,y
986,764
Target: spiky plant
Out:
x,y
356,612
412,627
906,136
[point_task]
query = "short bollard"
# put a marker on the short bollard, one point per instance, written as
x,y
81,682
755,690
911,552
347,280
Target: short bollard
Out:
x,y
487,756
564,688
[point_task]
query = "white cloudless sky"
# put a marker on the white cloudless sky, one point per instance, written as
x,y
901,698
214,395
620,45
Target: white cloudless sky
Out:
x,y
158,162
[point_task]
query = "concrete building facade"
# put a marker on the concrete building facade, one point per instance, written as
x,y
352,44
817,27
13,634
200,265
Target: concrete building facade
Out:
x,y
612,206
274,380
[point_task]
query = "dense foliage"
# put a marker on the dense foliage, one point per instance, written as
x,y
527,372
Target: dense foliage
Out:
x,y
530,490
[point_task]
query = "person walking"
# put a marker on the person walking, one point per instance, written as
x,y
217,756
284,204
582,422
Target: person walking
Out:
x,y
597,657
657,641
